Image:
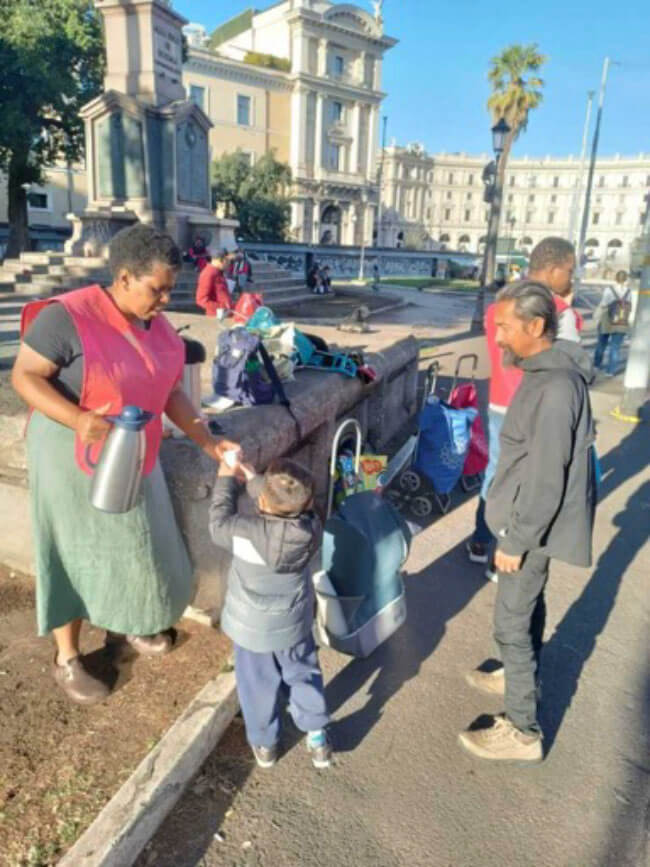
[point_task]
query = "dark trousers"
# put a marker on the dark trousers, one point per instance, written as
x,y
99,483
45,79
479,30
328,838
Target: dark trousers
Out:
x,y
263,678
615,342
482,534
519,618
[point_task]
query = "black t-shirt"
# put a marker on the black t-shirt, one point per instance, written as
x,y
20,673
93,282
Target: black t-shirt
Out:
x,y
54,336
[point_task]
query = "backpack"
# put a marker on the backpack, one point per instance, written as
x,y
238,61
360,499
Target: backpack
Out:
x,y
619,310
237,371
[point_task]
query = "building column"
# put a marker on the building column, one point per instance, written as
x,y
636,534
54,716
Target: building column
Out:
x,y
318,140
298,220
368,224
355,132
316,221
372,143
298,129
322,58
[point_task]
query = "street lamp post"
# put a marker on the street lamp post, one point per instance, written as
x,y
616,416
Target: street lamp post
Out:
x,y
492,195
511,244
362,257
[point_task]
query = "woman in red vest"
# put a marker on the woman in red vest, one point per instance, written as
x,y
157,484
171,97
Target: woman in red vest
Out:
x,y
86,354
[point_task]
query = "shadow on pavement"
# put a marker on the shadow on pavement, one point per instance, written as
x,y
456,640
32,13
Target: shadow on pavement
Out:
x,y
629,457
452,585
567,651
628,837
193,824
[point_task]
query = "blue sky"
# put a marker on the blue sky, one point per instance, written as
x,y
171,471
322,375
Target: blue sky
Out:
x,y
436,76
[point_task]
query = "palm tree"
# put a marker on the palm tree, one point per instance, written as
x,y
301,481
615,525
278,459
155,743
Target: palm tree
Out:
x,y
516,91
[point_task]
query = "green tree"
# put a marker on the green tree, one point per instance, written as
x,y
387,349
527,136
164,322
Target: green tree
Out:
x,y
51,64
516,91
255,195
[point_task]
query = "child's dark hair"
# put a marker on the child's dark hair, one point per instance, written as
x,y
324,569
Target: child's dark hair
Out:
x,y
288,488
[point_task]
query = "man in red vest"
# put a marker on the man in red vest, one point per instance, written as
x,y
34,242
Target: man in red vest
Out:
x,y
552,263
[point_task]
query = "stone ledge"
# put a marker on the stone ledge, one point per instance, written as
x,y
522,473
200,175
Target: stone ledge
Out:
x,y
132,816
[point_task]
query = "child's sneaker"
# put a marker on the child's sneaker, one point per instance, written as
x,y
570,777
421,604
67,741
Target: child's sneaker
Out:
x,y
477,552
320,749
265,757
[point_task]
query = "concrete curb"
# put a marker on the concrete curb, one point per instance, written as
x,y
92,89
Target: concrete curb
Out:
x,y
134,813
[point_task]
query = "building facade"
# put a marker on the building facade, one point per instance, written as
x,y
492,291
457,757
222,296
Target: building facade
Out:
x,y
405,176
303,80
319,107
48,205
541,197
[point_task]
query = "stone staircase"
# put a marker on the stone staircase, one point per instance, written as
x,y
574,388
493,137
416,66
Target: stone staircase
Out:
x,y
278,286
47,273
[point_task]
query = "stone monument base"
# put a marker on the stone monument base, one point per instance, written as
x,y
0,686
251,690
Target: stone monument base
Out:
x,y
93,229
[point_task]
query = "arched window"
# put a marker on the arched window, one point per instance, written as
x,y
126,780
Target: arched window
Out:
x,y
613,247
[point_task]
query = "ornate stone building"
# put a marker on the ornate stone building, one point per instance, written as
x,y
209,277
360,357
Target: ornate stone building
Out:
x,y
406,175
541,197
320,112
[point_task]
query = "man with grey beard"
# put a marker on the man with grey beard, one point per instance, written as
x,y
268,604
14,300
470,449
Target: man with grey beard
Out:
x,y
540,505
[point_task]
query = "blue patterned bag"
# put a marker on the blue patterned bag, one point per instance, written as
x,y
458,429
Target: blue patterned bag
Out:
x,y
445,434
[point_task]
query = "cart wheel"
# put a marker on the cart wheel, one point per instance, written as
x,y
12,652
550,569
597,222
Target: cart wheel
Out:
x,y
395,499
421,507
410,481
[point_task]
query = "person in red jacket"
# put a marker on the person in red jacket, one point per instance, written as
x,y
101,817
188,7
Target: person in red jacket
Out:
x,y
198,254
552,263
212,290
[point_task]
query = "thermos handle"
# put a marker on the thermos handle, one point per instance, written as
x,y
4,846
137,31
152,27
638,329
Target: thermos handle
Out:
x,y
93,464
147,416
89,461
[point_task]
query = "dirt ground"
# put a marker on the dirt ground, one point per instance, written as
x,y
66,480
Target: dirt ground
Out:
x,y
59,762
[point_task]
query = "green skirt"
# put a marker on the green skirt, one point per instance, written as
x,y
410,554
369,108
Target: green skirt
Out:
x,y
128,573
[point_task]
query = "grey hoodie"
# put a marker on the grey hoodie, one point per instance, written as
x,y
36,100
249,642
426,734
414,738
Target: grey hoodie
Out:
x,y
543,494
269,602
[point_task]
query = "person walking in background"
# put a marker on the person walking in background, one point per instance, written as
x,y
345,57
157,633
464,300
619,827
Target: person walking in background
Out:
x,y
376,277
613,316
212,290
242,271
552,263
540,505
269,606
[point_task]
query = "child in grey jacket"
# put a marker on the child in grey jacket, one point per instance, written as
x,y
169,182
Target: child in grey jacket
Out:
x,y
269,604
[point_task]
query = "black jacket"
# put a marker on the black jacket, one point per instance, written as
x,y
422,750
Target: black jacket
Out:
x,y
269,601
543,494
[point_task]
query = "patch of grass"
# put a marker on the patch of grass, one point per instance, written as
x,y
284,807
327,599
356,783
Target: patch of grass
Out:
x,y
430,283
73,805
423,284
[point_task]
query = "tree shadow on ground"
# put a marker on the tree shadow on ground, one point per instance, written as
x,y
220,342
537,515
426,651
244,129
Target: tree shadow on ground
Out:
x,y
434,596
574,640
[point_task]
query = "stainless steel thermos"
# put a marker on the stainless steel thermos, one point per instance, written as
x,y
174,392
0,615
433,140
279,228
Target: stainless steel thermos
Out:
x,y
116,480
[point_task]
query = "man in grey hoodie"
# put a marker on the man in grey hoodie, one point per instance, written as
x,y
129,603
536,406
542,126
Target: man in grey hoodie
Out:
x,y
540,505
